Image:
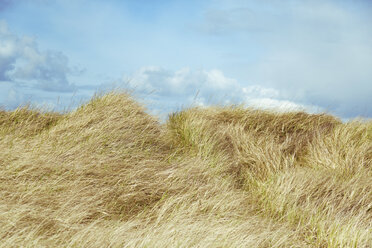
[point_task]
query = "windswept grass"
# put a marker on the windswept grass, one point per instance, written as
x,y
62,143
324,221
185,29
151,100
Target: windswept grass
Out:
x,y
110,175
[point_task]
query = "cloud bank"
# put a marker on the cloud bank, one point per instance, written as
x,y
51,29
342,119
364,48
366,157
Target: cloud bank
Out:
x,y
23,64
168,91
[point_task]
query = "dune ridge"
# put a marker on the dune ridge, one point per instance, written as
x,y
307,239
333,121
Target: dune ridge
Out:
x,y
110,175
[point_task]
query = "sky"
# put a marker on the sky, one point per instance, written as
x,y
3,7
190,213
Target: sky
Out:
x,y
311,55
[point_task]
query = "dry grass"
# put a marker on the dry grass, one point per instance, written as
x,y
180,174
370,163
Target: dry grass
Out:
x,y
110,175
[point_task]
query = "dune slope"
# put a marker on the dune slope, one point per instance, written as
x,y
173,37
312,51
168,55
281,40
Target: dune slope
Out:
x,y
110,175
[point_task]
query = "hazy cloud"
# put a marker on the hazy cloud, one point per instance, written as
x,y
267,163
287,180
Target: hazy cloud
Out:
x,y
10,97
8,52
21,62
317,52
227,21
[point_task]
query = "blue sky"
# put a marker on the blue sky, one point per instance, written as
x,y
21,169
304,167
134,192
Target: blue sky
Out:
x,y
289,55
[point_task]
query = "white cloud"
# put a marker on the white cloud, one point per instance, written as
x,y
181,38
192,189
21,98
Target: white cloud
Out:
x,y
167,91
183,82
259,91
281,105
21,62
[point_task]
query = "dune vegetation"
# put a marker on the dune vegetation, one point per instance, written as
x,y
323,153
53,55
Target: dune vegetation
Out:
x,y
110,175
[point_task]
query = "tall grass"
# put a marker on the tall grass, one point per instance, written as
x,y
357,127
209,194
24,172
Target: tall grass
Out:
x,y
110,175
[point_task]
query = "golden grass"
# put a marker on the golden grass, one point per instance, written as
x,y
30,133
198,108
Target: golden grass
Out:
x,y
110,175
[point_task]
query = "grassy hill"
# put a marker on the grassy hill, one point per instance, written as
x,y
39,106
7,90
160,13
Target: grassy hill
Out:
x,y
110,175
